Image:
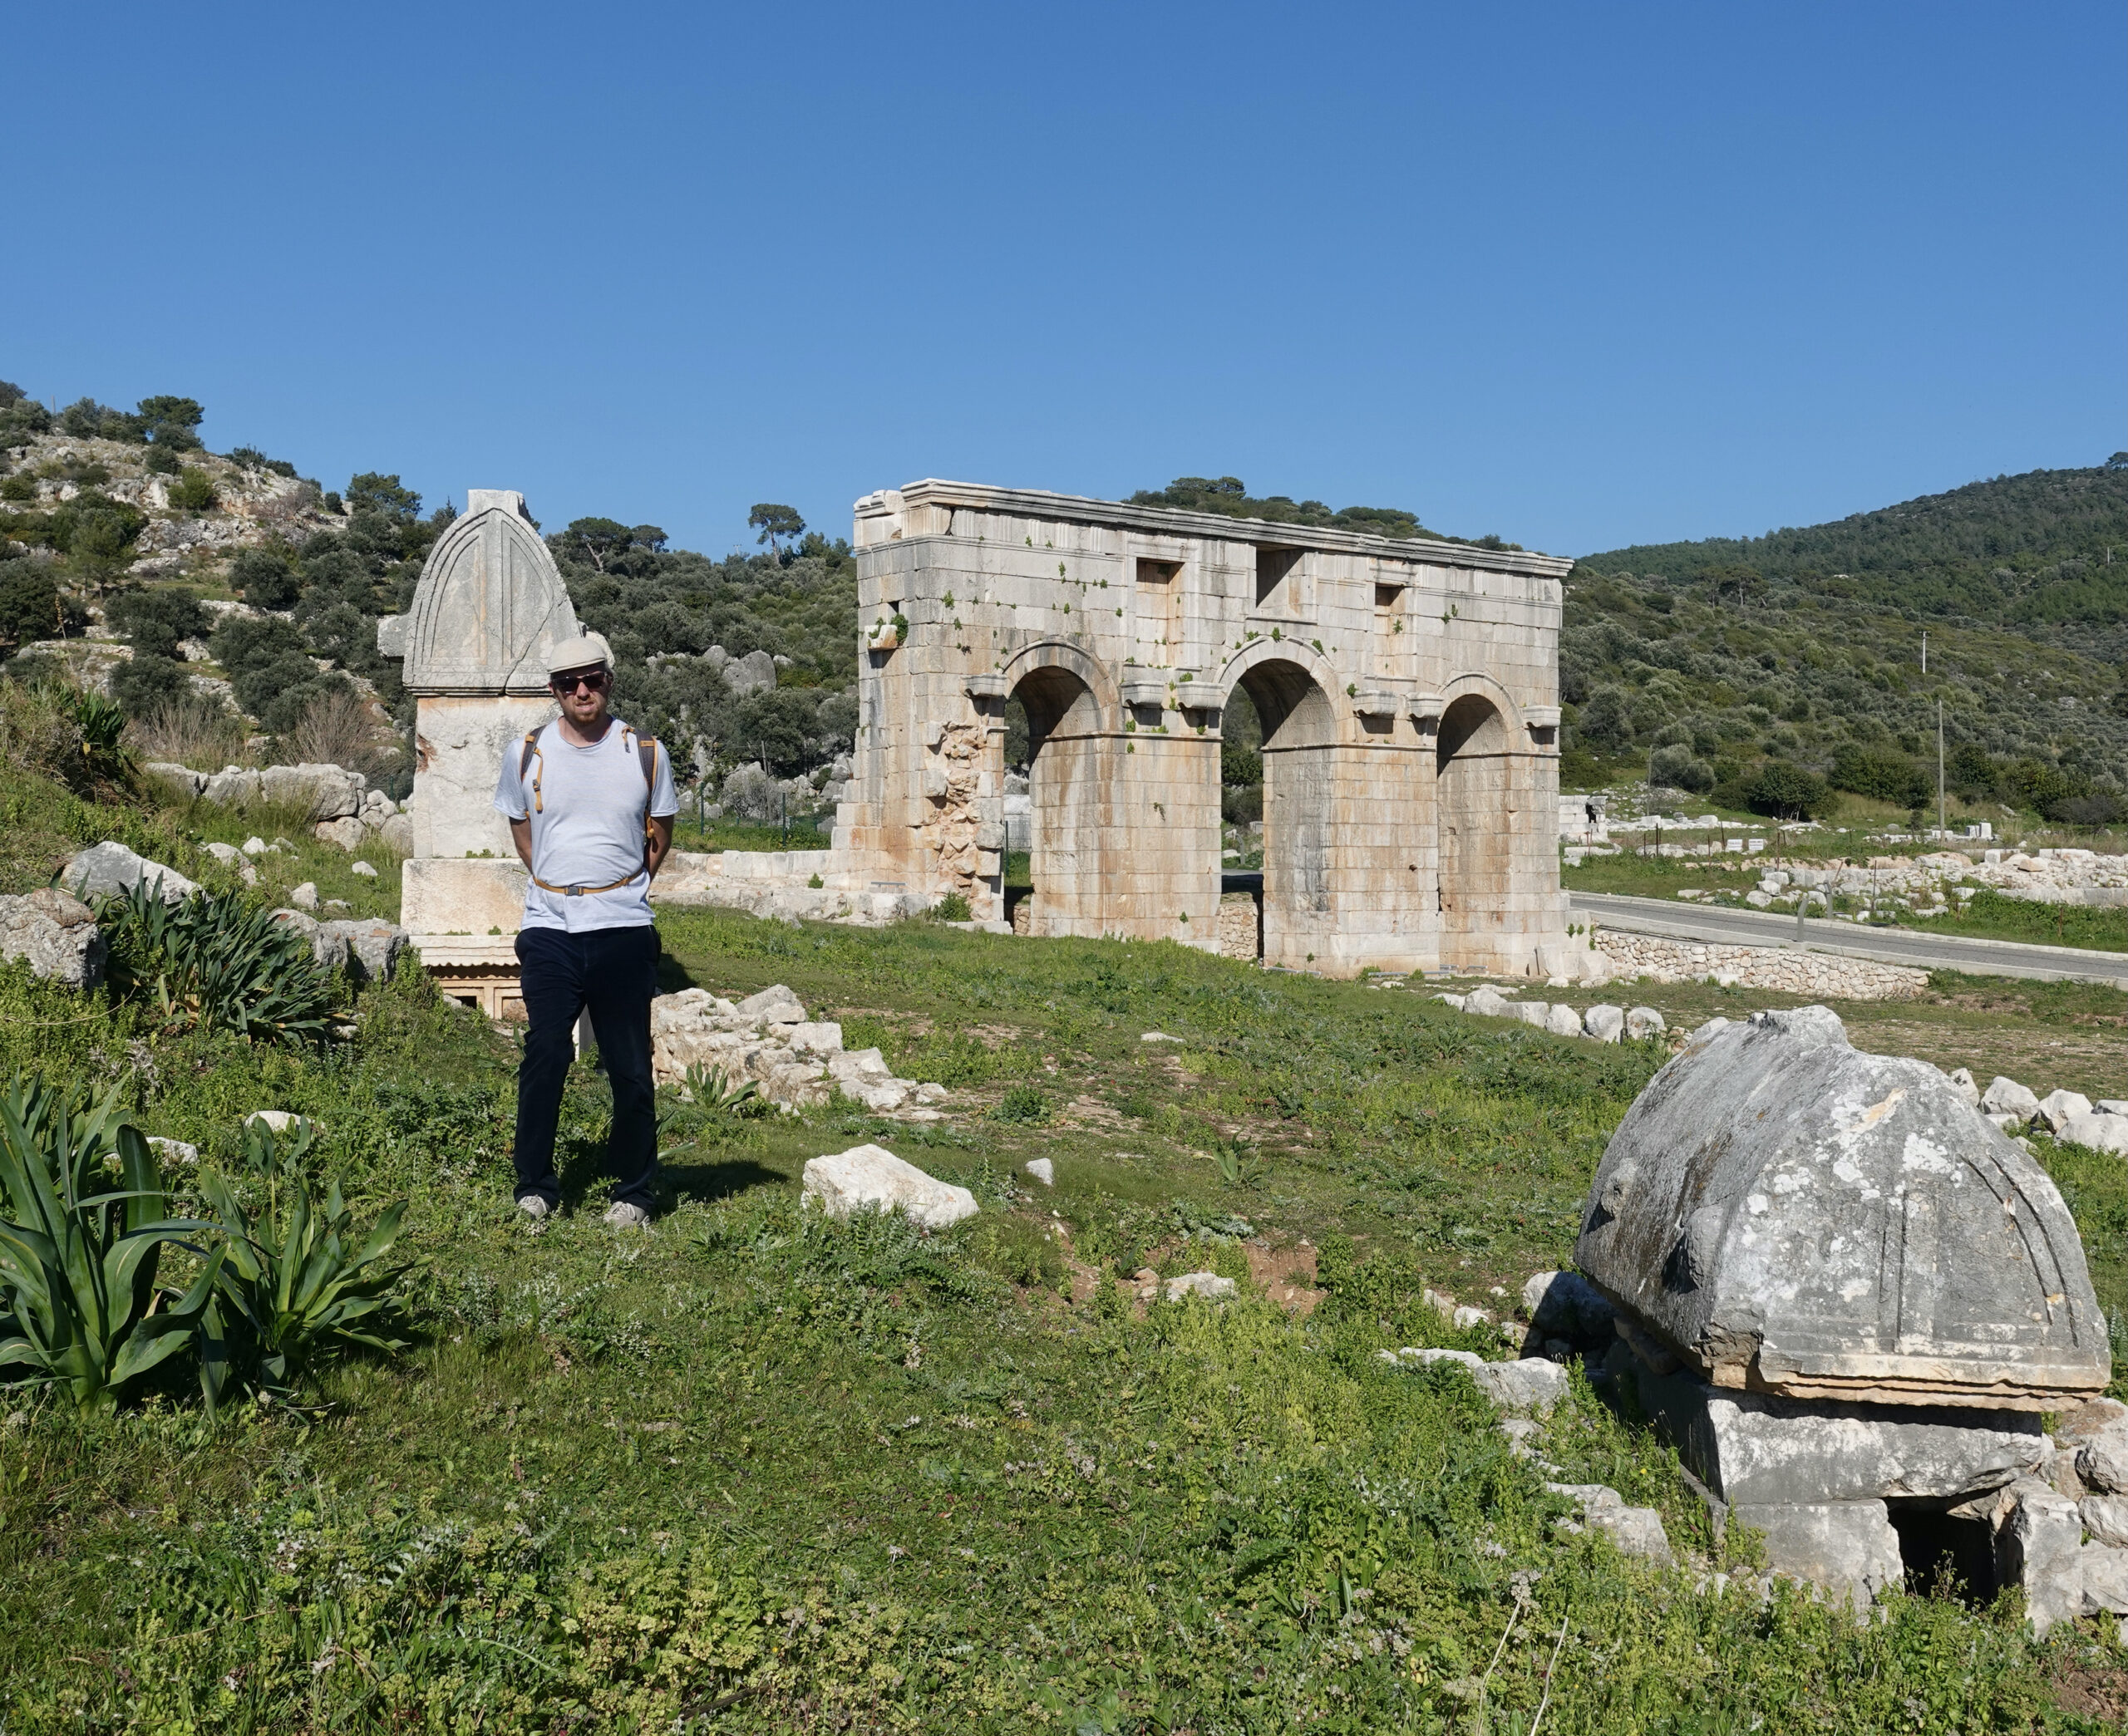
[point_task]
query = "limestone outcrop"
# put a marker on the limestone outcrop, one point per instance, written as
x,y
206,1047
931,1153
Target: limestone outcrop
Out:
x,y
111,870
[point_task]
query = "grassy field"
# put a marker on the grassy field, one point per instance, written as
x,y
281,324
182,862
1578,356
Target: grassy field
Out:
x,y
752,1470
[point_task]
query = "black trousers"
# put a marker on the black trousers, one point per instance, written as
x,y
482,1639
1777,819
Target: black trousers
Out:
x,y
612,973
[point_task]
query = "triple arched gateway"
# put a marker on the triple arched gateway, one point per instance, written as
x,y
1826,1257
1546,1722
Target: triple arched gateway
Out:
x,y
1408,692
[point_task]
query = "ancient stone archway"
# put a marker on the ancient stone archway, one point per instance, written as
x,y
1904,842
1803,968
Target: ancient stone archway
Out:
x,y
1472,780
1066,747
1300,785
1126,627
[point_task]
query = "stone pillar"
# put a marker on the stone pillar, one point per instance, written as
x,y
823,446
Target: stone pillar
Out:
x,y
490,606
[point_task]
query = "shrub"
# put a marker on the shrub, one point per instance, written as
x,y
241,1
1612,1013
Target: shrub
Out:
x,y
155,618
1239,767
22,490
297,1284
1787,792
953,908
1024,1104
1603,722
29,602
263,579
193,492
1239,807
149,682
161,461
79,1305
1676,767
212,964
1887,776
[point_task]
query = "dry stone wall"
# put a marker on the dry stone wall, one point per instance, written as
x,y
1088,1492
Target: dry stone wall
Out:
x,y
1784,969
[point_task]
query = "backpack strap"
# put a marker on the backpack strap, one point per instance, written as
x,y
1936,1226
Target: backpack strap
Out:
x,y
524,759
646,750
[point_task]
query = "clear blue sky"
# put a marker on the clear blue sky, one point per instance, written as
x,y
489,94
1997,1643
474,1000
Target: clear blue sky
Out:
x,y
1582,275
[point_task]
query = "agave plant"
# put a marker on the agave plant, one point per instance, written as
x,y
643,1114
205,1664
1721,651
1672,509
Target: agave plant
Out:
x,y
215,964
79,1304
295,1282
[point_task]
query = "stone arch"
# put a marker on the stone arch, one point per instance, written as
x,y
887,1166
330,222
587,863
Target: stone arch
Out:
x,y
1068,775
1073,660
1296,664
1472,780
1300,804
1476,682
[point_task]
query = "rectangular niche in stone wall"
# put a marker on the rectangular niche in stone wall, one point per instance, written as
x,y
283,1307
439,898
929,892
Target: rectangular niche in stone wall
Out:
x,y
1277,578
1160,601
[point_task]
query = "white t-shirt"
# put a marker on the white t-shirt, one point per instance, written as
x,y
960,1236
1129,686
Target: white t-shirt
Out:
x,y
587,825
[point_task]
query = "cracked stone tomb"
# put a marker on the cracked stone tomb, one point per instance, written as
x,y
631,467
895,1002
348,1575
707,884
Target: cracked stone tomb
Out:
x,y
1848,1298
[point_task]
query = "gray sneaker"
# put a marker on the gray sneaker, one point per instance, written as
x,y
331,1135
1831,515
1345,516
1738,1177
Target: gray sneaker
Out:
x,y
623,1216
533,1206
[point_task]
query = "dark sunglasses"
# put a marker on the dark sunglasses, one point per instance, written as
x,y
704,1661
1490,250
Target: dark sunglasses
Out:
x,y
595,680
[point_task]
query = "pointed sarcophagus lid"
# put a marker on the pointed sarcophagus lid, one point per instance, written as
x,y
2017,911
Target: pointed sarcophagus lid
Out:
x,y
489,605
1793,1216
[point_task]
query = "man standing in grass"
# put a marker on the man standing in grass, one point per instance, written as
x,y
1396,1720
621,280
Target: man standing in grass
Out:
x,y
590,806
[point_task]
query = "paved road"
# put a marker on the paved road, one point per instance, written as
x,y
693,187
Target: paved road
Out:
x,y
1679,921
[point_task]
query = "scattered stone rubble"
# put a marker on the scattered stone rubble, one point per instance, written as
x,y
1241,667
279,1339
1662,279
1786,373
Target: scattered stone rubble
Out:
x,y
55,934
1847,1296
768,1038
340,804
1602,1024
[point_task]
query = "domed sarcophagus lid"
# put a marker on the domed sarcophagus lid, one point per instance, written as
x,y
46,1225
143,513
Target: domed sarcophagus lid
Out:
x,y
490,606
1796,1217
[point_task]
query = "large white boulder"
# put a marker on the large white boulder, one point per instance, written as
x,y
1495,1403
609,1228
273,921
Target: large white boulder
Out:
x,y
110,870
2007,1097
1531,1384
1644,1022
872,1176
1605,1023
58,938
1563,1020
2101,1133
2058,1107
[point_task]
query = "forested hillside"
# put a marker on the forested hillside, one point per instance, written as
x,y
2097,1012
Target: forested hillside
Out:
x,y
1765,670
1771,671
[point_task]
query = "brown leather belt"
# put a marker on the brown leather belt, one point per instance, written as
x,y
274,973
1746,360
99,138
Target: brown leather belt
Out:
x,y
577,891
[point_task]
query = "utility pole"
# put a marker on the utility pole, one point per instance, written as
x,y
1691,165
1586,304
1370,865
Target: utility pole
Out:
x,y
1940,827
1925,653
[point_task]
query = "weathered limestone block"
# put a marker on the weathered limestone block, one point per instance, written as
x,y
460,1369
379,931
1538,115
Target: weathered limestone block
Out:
x,y
1751,1449
55,935
1848,1548
2097,1434
2102,1572
1605,1023
1792,1215
110,870
2101,1133
181,781
1562,1020
1962,1081
871,1176
324,792
374,946
1644,1022
348,833
2039,1547
1210,1285
2007,1097
474,898
2057,1109
1637,1530
327,945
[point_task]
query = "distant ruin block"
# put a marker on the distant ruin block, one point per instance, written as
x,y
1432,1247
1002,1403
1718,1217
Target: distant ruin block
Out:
x,y
1408,690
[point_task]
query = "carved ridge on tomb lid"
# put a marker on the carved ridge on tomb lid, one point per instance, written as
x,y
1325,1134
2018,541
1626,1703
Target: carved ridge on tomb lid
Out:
x,y
489,602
